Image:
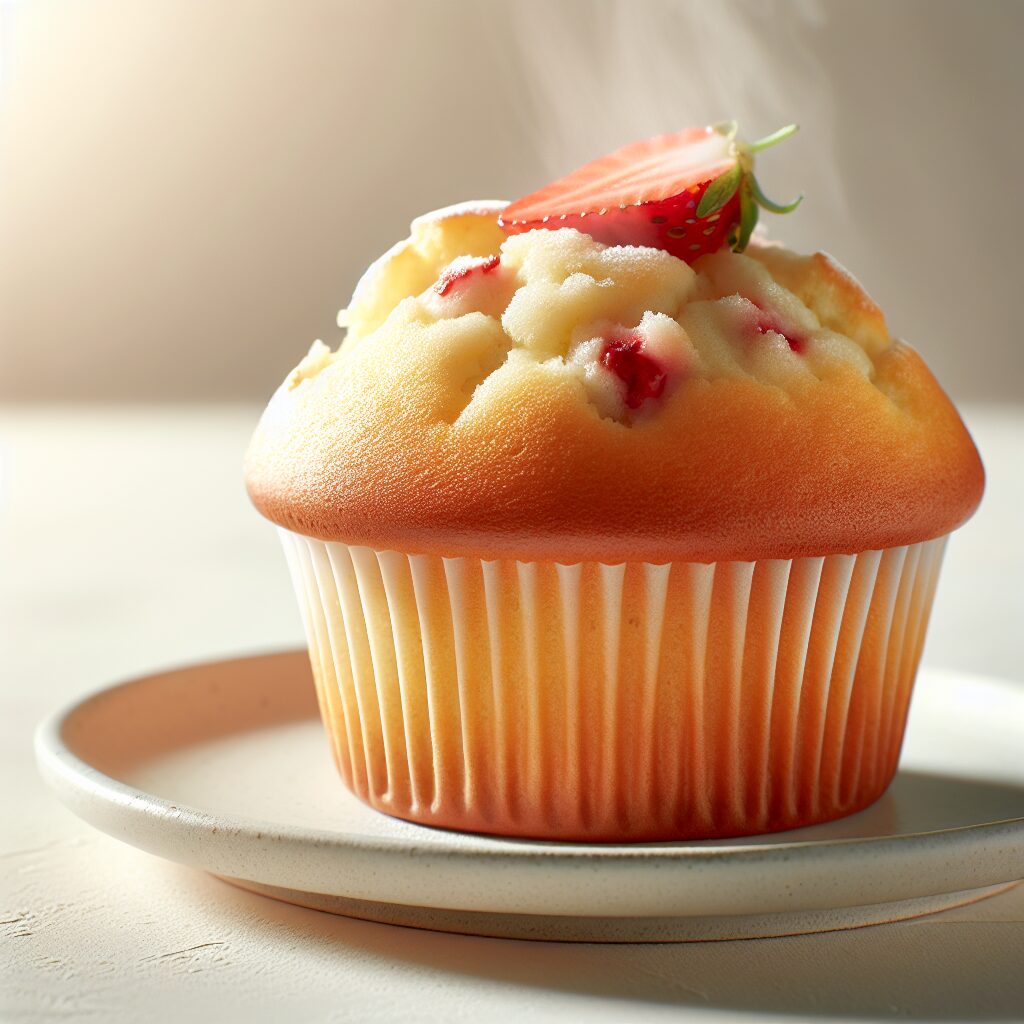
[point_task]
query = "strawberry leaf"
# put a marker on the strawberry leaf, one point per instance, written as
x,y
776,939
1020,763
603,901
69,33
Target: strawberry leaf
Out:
x,y
770,205
748,216
719,192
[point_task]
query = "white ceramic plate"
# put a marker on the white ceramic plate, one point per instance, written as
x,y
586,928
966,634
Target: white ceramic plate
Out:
x,y
224,766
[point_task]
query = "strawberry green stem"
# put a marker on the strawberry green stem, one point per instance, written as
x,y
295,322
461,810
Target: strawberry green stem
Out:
x,y
740,179
774,139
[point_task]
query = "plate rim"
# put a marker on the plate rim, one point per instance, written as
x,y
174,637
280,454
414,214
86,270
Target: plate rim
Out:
x,y
83,787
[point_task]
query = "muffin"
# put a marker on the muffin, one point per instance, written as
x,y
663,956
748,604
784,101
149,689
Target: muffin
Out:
x,y
614,542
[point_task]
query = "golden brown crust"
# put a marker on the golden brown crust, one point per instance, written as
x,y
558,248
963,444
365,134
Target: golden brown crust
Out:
x,y
729,469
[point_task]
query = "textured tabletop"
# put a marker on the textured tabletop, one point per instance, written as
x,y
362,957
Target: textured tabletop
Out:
x,y
126,544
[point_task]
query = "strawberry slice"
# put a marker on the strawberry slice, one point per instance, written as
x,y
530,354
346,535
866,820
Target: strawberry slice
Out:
x,y
688,193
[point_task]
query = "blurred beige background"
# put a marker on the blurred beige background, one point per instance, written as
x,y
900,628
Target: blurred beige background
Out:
x,y
190,188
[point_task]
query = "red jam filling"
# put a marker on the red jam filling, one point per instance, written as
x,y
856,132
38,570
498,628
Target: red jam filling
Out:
x,y
451,276
643,376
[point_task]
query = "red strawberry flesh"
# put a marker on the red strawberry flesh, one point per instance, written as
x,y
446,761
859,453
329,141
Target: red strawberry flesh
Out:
x,y
452,276
765,322
796,341
643,376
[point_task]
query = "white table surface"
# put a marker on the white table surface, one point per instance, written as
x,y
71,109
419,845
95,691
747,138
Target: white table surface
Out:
x,y
126,544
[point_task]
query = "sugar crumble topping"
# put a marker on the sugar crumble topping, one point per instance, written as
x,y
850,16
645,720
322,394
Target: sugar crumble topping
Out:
x,y
630,325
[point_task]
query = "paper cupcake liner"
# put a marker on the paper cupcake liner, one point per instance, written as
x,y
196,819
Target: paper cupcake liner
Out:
x,y
614,702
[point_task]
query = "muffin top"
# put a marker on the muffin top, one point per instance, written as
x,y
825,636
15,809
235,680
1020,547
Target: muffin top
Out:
x,y
546,396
